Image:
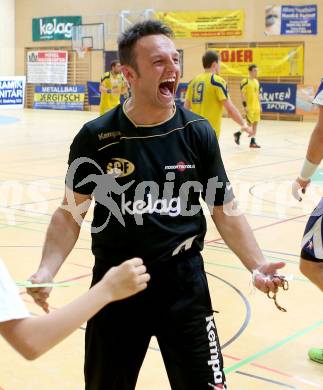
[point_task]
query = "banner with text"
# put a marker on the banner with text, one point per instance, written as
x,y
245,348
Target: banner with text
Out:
x,y
180,93
204,24
271,61
12,91
278,97
47,66
54,28
59,97
291,20
93,93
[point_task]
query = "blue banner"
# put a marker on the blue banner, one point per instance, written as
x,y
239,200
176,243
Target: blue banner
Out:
x,y
12,91
277,97
298,20
180,93
59,97
93,93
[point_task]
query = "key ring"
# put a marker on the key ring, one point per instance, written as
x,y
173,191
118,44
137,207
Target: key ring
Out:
x,y
273,295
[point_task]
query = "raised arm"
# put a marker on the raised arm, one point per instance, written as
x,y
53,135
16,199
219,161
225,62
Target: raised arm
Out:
x,y
61,236
34,336
237,234
313,158
315,147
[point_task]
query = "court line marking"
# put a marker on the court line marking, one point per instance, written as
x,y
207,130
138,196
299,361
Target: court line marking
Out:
x,y
297,378
273,347
29,284
265,165
267,250
268,380
262,227
37,230
228,250
236,267
271,202
247,307
65,282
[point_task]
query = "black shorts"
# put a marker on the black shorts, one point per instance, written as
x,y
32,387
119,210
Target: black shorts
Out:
x,y
176,308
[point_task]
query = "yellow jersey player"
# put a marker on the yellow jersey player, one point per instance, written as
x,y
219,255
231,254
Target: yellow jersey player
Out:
x,y
249,88
207,94
112,86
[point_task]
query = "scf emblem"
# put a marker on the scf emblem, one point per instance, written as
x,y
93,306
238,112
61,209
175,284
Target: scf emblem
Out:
x,y
120,166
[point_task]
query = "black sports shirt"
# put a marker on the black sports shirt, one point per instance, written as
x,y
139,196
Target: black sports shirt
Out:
x,y
147,182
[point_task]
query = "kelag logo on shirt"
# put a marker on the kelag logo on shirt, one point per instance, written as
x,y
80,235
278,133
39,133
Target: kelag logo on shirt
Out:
x,y
145,197
120,165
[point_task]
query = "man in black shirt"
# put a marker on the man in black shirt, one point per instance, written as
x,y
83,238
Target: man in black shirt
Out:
x,y
146,164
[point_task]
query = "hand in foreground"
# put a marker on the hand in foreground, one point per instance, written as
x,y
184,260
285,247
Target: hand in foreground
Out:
x,y
127,279
248,129
266,278
40,294
298,186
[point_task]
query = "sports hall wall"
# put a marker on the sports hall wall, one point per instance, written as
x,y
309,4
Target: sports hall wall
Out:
x,y
107,11
7,38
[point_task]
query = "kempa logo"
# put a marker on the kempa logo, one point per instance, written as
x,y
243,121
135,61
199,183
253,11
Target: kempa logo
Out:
x,y
110,134
51,28
214,361
121,166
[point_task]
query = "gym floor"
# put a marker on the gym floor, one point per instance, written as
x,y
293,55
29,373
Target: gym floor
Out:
x,y
263,347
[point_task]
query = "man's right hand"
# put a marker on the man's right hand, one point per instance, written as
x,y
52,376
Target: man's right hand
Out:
x,y
40,294
248,129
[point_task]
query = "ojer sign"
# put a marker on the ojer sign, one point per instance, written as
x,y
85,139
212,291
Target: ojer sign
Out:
x,y
54,28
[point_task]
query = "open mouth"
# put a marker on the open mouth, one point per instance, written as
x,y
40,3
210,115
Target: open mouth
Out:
x,y
167,87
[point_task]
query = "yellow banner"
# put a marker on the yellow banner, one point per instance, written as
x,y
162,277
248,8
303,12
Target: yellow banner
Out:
x,y
271,61
204,24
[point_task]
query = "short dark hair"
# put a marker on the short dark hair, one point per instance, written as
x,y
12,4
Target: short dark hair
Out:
x,y
114,63
252,67
128,39
209,57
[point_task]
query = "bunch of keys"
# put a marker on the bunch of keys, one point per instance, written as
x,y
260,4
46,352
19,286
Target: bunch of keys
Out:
x,y
273,295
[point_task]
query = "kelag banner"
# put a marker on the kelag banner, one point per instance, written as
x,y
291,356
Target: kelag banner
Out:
x,y
54,28
204,24
59,97
271,61
93,93
12,91
278,97
291,20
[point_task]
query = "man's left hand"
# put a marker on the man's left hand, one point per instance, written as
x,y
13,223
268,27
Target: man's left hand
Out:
x,y
266,277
